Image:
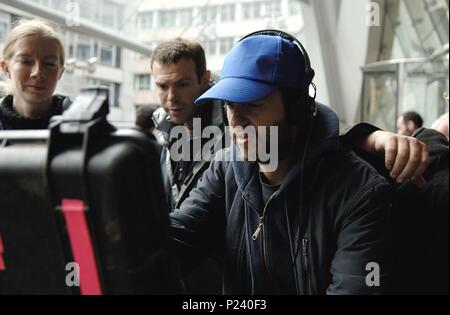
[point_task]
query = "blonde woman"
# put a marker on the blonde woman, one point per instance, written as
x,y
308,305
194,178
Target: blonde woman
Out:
x,y
33,62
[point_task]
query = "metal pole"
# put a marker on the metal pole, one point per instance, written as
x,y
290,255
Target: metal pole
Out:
x,y
400,87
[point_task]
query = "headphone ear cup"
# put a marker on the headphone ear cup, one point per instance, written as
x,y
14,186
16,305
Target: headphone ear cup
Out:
x,y
310,75
302,110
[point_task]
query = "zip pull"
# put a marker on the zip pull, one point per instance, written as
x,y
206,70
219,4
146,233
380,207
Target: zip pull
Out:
x,y
304,246
258,229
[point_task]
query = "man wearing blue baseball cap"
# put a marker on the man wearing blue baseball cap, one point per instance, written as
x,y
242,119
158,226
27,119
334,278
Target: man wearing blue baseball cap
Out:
x,y
317,223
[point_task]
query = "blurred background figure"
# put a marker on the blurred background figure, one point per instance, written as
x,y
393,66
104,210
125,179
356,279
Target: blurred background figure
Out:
x,y
408,122
144,119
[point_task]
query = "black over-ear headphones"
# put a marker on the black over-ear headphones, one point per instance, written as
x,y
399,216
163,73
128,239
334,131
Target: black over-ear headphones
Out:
x,y
301,111
297,112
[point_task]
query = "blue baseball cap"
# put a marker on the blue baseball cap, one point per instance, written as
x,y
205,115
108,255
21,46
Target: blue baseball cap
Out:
x,y
255,67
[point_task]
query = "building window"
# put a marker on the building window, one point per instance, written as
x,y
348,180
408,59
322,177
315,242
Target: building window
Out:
x,y
142,82
71,54
208,15
184,17
210,47
225,45
252,10
110,14
104,12
86,10
294,7
211,15
84,51
227,12
166,18
107,54
116,95
201,16
3,30
118,51
113,88
145,20
273,8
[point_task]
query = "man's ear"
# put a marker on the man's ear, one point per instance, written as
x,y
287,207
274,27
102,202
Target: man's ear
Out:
x,y
206,78
5,68
411,125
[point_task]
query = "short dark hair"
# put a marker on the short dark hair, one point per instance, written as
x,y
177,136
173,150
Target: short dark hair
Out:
x,y
414,117
144,115
173,50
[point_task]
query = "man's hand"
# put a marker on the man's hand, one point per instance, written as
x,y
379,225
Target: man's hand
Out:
x,y
405,157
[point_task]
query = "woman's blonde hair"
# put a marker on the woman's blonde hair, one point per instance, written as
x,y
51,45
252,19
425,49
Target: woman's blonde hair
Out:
x,y
30,28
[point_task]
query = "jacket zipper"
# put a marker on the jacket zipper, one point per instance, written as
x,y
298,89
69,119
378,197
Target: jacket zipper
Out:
x,y
261,223
306,265
258,231
259,228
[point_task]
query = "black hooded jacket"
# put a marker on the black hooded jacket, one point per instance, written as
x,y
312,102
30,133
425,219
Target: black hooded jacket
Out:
x,y
324,238
420,220
421,225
